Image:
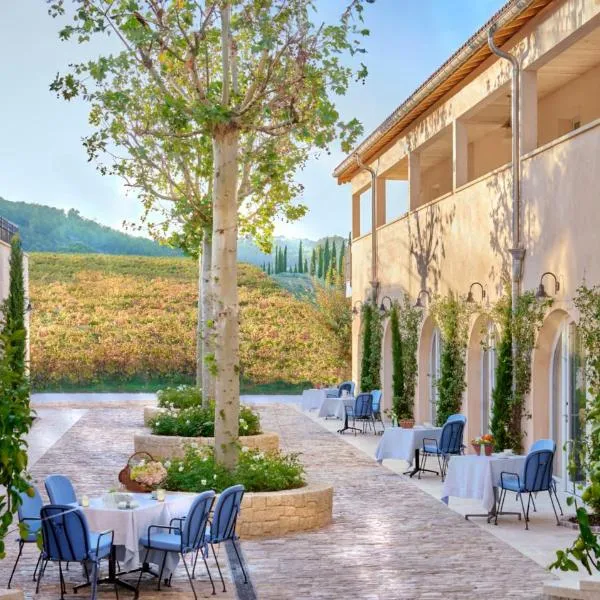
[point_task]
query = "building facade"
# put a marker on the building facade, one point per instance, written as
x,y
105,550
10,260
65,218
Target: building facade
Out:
x,y
443,160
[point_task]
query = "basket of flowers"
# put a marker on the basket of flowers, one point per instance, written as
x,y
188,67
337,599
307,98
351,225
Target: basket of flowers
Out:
x,y
485,442
142,473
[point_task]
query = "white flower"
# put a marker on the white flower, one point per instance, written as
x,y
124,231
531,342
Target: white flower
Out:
x,y
204,458
158,423
215,476
253,467
259,456
180,468
194,444
203,482
187,422
245,449
167,464
142,463
242,421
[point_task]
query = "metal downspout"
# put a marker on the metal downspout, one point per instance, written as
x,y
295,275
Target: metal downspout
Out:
x,y
517,251
374,280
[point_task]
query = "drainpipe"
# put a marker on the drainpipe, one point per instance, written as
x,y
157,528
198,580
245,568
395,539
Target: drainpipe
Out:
x,y
517,251
374,280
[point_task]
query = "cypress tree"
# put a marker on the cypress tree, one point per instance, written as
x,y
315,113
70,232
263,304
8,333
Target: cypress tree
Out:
x,y
365,363
305,267
285,263
402,408
313,263
14,310
269,269
300,258
333,259
331,275
320,263
341,265
502,394
276,262
326,257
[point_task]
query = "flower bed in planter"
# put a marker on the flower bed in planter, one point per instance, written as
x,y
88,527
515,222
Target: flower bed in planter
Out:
x,y
277,499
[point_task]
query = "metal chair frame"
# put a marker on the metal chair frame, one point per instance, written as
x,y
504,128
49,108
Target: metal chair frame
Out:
x,y
450,444
52,542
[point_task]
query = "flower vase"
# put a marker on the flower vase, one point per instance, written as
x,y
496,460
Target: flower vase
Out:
x,y
488,449
476,449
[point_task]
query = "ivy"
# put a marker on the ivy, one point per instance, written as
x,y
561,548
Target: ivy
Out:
x,y
452,317
399,405
15,414
586,548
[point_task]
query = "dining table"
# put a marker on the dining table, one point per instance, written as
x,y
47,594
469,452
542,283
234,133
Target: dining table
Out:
x,y
478,477
406,444
312,399
335,407
129,524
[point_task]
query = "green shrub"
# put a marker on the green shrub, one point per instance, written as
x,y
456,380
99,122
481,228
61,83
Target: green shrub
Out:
x,y
256,471
200,422
182,396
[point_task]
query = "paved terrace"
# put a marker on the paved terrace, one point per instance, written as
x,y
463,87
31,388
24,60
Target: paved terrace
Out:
x,y
389,539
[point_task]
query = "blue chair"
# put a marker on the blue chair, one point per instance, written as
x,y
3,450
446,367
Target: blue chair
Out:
x,y
189,536
535,477
60,489
361,411
28,513
546,444
450,443
224,521
347,386
67,538
377,407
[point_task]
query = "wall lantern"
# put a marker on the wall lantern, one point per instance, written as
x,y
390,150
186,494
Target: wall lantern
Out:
x,y
470,298
541,291
356,310
418,303
382,307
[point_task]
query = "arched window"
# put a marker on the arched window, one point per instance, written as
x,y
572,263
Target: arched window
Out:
x,y
434,372
489,362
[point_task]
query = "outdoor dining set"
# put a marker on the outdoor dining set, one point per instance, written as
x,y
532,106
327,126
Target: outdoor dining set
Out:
x,y
131,531
441,451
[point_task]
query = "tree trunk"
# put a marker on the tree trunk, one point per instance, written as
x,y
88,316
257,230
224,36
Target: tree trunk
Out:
x,y
207,350
224,291
200,322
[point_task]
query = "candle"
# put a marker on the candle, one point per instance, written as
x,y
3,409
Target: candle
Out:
x,y
85,501
160,495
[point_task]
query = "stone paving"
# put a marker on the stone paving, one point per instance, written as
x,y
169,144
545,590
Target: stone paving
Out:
x,y
389,539
91,453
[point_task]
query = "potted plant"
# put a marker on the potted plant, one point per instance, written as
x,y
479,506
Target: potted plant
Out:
x,y
485,442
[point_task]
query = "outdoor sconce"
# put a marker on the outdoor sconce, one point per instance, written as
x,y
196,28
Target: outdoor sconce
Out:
x,y
382,307
470,298
418,303
356,310
28,308
541,292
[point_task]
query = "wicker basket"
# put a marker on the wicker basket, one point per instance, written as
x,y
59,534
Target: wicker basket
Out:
x,y
125,473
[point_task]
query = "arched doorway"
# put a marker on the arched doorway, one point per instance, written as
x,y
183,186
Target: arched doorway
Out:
x,y
559,393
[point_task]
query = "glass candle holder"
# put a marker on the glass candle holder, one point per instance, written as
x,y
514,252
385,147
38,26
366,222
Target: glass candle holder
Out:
x,y
160,495
85,501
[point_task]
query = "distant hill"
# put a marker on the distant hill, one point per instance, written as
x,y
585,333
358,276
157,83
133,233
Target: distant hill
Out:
x,y
47,229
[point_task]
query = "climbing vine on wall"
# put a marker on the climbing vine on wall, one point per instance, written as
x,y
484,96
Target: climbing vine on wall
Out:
x,y
586,548
451,314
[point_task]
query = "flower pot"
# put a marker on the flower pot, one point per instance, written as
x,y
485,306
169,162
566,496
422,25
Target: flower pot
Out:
x,y
488,449
406,423
476,449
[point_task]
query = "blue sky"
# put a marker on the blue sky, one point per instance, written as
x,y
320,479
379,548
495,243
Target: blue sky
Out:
x,y
42,159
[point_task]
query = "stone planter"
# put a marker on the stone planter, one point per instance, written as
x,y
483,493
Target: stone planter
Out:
x,y
584,589
172,446
273,514
11,595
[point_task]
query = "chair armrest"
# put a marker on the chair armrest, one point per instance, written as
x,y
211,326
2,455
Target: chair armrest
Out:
x,y
167,527
434,440
180,520
104,534
512,475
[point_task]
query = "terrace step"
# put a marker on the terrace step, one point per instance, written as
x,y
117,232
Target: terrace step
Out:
x,y
584,589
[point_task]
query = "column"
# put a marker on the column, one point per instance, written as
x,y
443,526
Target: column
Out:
x,y
529,111
355,216
460,153
381,202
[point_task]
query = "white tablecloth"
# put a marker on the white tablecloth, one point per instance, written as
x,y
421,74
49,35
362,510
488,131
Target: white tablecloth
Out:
x,y
335,407
397,442
312,399
477,476
130,525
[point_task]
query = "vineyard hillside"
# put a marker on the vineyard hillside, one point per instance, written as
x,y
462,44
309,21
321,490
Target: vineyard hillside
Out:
x,y
103,322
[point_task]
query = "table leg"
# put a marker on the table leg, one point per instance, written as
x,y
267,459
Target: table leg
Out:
x,y
346,426
417,467
492,514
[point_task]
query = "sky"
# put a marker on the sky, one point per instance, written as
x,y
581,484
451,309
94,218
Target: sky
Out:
x,y
42,159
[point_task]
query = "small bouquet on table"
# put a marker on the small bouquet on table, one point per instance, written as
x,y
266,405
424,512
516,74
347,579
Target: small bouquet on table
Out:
x,y
483,446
